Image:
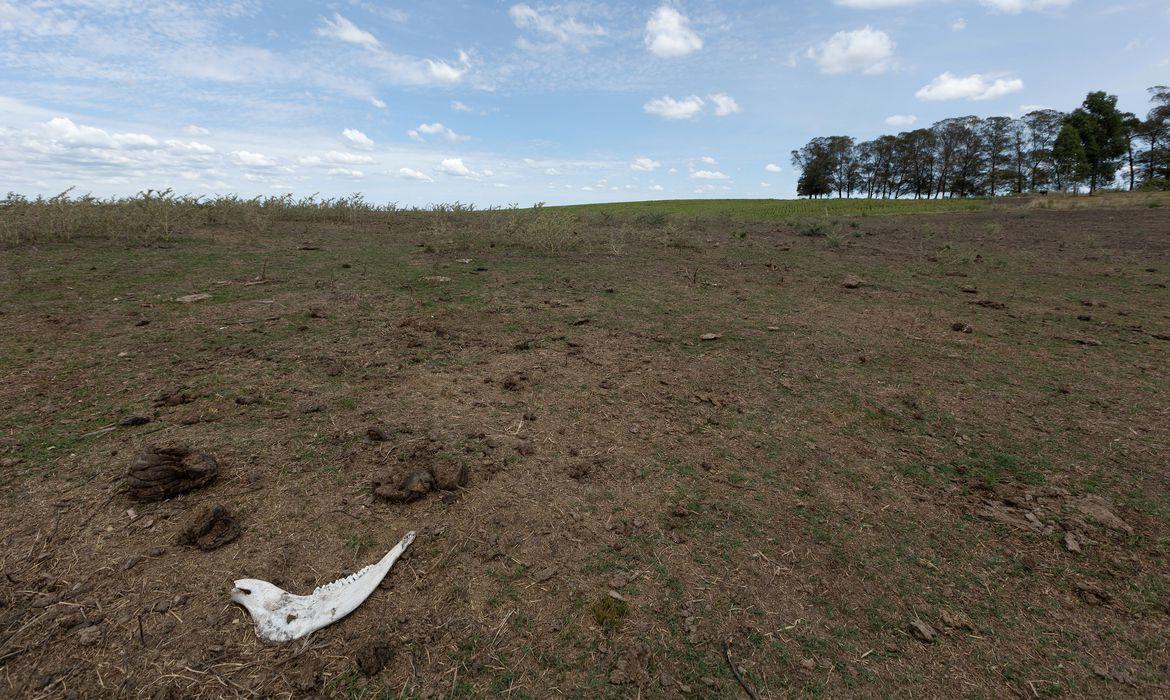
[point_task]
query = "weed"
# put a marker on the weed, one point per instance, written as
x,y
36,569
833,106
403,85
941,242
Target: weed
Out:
x,y
609,612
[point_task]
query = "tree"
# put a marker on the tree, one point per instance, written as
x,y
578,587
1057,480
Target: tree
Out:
x,y
997,138
1071,167
1043,127
1102,132
1155,131
816,168
1133,130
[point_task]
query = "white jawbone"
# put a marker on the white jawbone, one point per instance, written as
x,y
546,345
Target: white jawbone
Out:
x,y
283,617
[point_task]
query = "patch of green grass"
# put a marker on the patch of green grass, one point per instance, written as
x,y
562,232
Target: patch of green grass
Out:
x,y
779,209
609,612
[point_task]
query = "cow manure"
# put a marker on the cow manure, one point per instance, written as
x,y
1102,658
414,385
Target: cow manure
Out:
x,y
164,472
212,529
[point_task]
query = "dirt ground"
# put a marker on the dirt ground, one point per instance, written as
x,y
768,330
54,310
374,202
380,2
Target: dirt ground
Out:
x,y
925,456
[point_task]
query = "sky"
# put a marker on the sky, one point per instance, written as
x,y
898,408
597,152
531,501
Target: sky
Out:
x,y
500,103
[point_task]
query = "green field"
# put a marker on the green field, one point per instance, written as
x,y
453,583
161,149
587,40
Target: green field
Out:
x,y
768,209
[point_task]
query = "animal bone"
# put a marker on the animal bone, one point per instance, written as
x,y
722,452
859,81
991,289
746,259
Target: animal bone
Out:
x,y
281,616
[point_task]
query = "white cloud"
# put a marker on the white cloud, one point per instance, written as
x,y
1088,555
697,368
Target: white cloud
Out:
x,y
669,108
356,139
724,104
876,4
342,29
655,188
975,87
645,165
336,158
377,103
868,51
460,107
772,168
26,20
192,130
455,166
249,159
411,174
436,129
958,25
346,172
708,175
192,147
552,172
765,184
669,34
566,31
1028,109
708,160
901,120
1015,7
63,131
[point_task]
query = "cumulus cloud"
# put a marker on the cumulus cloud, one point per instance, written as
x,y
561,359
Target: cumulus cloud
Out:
x,y
346,172
669,34
976,87
708,175
192,130
356,139
901,120
772,168
377,103
456,167
411,174
248,159
558,30
958,25
724,104
460,107
645,165
669,108
868,51
437,129
342,29
336,158
64,131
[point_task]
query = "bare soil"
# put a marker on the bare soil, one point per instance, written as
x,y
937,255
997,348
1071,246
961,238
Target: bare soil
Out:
x,y
948,479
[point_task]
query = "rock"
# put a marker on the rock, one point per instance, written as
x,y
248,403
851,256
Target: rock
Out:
x,y
373,657
133,421
969,289
710,336
960,327
1071,543
922,631
173,397
545,574
851,282
808,664
212,529
449,476
164,472
1098,510
192,298
954,620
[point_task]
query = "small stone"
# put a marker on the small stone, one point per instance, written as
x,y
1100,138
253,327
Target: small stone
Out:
x,y
89,635
192,298
710,336
808,664
545,574
1071,543
616,596
969,289
922,631
133,421
960,327
851,282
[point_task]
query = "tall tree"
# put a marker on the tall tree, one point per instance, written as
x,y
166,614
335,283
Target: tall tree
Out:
x,y
1070,165
1102,132
996,135
1043,128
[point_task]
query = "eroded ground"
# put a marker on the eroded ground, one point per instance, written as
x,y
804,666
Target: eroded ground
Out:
x,y
854,493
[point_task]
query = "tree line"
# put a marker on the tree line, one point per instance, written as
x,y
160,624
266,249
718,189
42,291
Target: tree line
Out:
x,y
1092,146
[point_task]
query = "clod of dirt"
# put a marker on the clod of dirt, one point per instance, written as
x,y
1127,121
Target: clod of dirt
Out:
x,y
1093,594
1071,543
373,657
173,397
960,327
989,304
164,472
450,477
922,631
87,636
192,298
133,421
851,282
515,381
710,336
969,289
545,574
408,489
437,279
1084,317
214,528
376,434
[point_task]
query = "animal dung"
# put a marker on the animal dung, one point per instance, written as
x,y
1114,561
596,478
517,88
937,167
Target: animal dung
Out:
x,y
165,472
214,528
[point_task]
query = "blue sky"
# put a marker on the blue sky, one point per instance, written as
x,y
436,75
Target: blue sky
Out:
x,y
504,102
